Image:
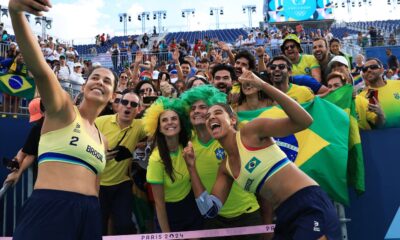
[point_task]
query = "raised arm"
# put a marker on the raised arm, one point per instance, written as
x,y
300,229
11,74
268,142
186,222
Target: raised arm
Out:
x,y
298,119
53,97
209,205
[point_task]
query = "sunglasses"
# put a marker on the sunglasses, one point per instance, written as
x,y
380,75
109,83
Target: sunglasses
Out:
x,y
291,46
126,102
117,100
372,67
148,90
124,77
280,66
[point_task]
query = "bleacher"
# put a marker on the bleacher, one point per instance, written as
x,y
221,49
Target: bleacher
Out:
x,y
226,35
85,49
386,26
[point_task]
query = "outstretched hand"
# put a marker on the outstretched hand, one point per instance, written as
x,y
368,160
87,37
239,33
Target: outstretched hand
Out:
x,y
188,155
35,7
249,78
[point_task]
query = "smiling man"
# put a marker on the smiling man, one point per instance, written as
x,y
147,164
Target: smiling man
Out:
x,y
303,64
280,69
322,54
122,132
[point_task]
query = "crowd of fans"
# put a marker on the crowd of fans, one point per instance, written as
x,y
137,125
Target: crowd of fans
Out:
x,y
207,62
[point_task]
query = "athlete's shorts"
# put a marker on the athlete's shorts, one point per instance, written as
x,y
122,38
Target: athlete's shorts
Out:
x,y
307,214
184,215
61,215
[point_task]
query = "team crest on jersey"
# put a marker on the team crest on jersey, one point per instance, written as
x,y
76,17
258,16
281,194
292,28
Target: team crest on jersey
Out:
x,y
220,153
307,70
396,96
289,145
77,128
252,164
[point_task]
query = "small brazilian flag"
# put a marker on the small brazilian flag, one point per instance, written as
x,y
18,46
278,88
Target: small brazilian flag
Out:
x,y
321,150
17,85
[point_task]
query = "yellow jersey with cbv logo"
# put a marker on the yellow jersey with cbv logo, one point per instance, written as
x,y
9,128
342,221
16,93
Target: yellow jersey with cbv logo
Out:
x,y
72,144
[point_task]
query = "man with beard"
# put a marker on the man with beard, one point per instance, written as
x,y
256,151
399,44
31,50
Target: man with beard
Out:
x,y
386,93
123,132
222,78
323,56
244,59
280,69
303,64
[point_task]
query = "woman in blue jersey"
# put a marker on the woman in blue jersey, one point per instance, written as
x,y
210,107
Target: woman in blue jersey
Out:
x,y
71,154
166,121
256,163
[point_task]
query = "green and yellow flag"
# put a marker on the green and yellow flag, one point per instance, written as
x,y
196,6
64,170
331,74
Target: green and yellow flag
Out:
x,y
343,98
17,85
321,151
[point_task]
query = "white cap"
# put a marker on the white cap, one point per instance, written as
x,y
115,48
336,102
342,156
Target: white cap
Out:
x,y
77,64
96,64
339,59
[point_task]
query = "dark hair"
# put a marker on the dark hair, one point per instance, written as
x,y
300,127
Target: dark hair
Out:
x,y
113,73
167,76
163,150
283,58
261,94
376,59
228,109
334,40
140,84
195,77
186,62
247,55
323,39
129,91
220,67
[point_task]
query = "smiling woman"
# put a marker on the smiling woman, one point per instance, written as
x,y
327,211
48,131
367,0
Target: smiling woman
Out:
x,y
167,122
71,149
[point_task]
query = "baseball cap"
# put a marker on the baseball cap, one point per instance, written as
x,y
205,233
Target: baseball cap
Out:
x,y
174,71
96,64
77,64
339,59
34,110
294,38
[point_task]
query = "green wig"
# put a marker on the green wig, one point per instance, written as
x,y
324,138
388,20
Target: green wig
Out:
x,y
209,94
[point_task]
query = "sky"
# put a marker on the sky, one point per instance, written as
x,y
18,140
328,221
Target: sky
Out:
x,y
81,20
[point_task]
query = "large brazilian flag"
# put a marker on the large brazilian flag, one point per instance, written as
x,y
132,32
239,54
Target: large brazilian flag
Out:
x,y
343,98
17,85
321,150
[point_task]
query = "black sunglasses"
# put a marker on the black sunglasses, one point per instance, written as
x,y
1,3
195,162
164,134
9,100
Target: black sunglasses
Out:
x,y
372,67
280,66
287,47
126,102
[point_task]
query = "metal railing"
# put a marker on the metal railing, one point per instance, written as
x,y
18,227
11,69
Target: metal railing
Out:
x,y
12,199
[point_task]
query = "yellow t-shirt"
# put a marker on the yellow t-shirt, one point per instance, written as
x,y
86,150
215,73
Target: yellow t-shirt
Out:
x,y
208,158
156,174
364,117
118,172
305,65
389,99
300,94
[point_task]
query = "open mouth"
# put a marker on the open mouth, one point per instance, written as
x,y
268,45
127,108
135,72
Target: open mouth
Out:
x,y
214,126
98,90
222,86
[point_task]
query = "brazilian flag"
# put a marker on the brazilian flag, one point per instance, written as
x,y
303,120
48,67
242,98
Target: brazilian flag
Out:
x,y
17,85
343,98
320,150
